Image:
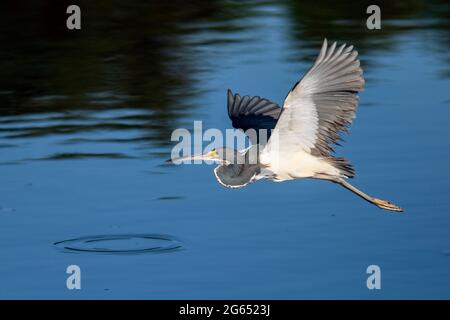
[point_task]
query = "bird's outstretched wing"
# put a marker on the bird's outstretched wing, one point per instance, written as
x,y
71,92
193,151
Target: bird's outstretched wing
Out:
x,y
323,103
252,113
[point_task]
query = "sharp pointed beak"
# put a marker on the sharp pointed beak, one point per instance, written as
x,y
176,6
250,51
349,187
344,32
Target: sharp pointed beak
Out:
x,y
189,159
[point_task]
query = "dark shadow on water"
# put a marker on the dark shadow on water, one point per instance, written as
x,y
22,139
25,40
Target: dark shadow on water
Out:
x,y
7,145
10,163
74,156
170,198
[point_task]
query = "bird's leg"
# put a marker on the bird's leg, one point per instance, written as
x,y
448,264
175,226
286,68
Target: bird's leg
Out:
x,y
380,203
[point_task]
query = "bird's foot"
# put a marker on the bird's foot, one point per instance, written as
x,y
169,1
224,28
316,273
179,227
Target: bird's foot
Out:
x,y
384,204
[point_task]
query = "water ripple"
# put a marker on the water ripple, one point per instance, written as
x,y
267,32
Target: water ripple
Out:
x,y
121,244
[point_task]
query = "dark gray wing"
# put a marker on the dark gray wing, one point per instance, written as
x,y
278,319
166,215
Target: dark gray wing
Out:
x,y
239,175
236,175
252,113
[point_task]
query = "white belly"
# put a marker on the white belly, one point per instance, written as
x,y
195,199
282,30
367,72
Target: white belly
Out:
x,y
297,165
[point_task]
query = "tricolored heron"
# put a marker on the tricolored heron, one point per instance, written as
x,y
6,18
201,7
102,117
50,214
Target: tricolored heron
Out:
x,y
319,107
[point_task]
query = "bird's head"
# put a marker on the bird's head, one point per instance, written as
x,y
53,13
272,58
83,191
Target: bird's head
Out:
x,y
223,156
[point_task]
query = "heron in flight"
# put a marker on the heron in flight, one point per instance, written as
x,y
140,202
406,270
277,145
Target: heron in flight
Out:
x,y
317,109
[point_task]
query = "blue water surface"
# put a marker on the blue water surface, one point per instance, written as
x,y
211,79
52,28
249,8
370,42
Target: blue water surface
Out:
x,y
83,155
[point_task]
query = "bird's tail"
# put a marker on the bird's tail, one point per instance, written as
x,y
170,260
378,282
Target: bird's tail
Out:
x,y
343,165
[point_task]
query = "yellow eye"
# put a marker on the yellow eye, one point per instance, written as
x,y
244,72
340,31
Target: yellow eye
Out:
x,y
213,153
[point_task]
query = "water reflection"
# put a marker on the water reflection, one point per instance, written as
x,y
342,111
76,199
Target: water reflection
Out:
x,y
129,56
149,60
344,21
